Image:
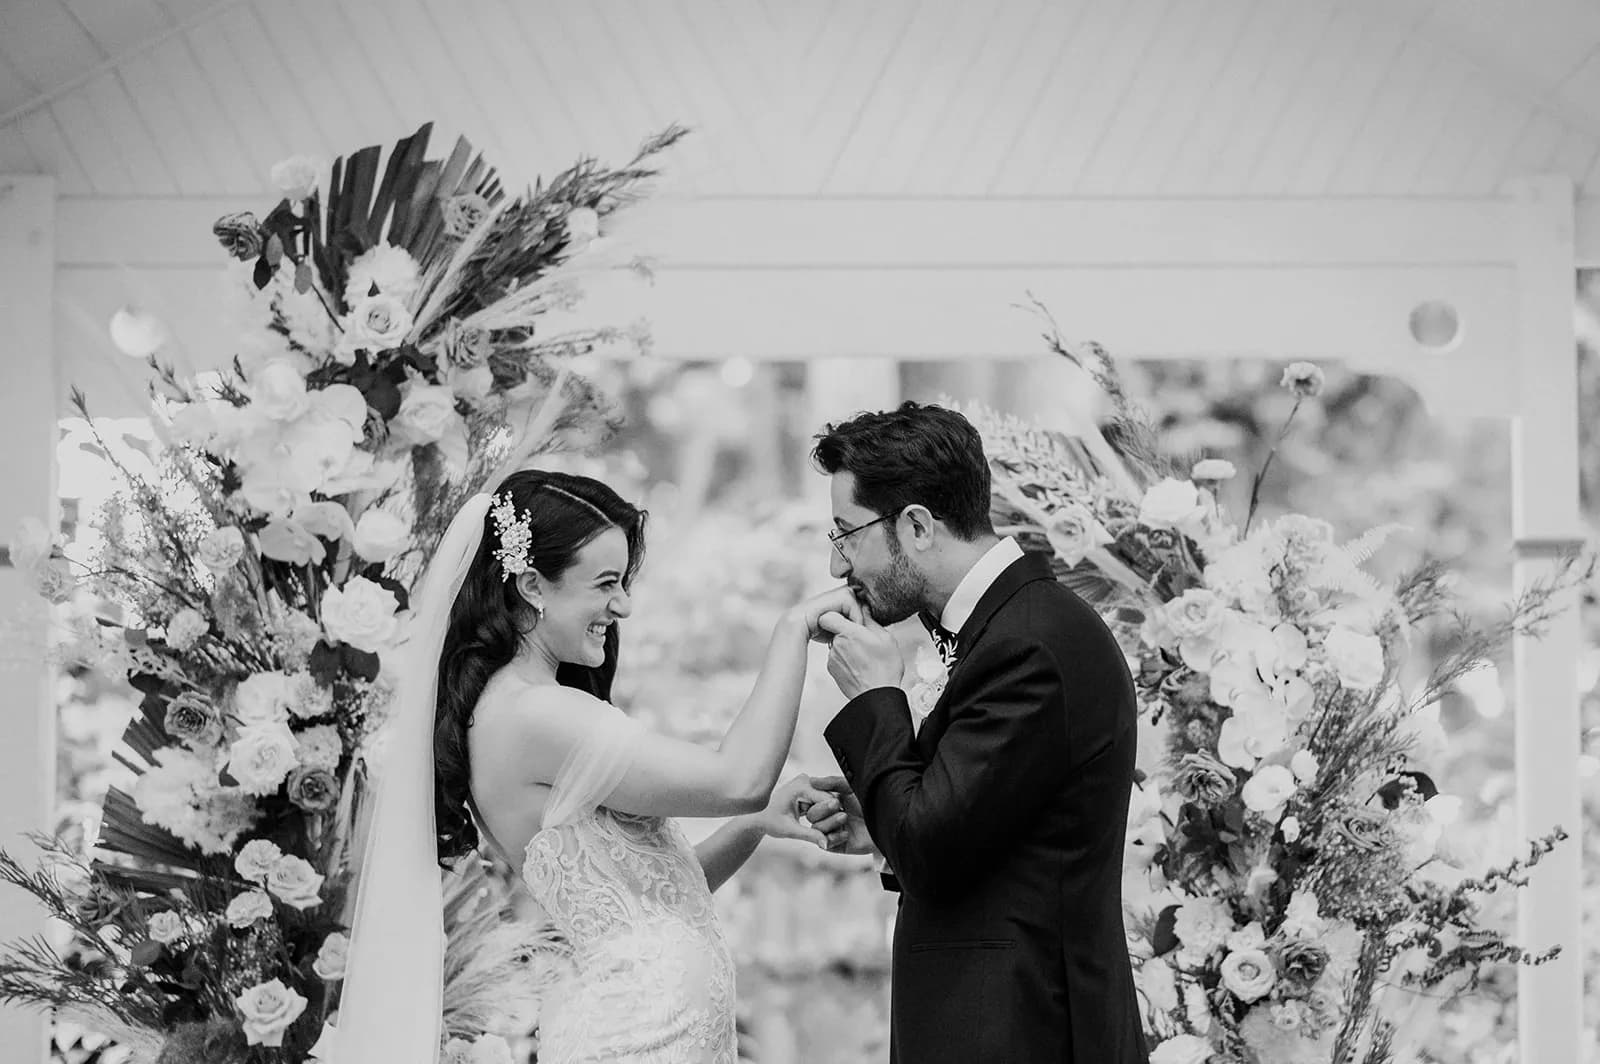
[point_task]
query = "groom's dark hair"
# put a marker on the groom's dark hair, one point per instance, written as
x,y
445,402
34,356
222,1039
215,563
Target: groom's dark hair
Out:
x,y
919,453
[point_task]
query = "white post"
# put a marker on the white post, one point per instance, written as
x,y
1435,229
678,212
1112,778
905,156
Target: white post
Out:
x,y
27,487
1545,522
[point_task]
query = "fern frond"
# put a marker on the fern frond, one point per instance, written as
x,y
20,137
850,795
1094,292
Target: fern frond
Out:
x,y
1365,546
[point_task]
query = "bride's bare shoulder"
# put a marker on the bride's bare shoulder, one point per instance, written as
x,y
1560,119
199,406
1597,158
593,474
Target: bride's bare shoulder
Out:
x,y
513,699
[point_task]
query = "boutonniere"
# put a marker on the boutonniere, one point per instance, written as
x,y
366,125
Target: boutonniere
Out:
x,y
930,674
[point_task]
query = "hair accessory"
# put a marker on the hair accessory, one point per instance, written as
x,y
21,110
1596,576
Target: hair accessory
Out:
x,y
516,535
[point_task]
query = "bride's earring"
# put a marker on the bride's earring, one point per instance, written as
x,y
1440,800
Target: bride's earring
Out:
x,y
538,612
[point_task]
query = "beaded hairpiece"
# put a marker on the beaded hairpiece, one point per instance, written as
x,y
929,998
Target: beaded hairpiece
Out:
x,y
516,535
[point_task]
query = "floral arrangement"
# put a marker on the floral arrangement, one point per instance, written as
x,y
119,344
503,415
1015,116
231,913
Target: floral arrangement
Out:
x,y
252,587
1288,898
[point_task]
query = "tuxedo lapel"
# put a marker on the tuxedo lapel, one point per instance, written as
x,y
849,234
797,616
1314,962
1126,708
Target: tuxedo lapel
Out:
x,y
1012,578
1025,570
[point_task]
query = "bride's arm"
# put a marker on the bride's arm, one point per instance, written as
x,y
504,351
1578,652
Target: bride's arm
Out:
x,y
665,776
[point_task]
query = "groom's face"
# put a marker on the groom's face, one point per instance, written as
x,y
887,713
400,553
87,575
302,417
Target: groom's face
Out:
x,y
881,574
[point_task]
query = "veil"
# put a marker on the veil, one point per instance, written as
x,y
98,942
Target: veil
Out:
x,y
392,1002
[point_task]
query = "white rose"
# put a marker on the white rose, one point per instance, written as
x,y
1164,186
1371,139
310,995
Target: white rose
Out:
x,y
1355,657
583,225
294,882
262,757
31,544
296,177
262,699
187,627
1249,974
427,413
1290,828
256,859
1213,469
1182,1049
380,535
267,1010
1197,612
361,614
331,958
1268,790
1073,533
319,747
166,928
221,550
375,323
390,269
1171,504
1304,766
278,391
247,908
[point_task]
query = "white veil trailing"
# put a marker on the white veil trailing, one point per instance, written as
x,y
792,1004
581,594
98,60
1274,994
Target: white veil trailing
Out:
x,y
392,1002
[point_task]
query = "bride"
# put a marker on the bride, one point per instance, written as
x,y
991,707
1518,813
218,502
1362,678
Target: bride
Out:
x,y
503,739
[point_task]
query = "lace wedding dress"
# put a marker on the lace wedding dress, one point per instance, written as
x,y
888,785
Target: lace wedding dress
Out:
x,y
650,979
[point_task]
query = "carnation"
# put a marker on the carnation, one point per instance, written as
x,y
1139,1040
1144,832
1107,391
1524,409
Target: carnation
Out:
x,y
389,269
221,550
186,628
1203,925
308,698
268,1009
256,859
294,882
361,614
332,957
262,757
296,177
245,909
1304,379
182,794
53,581
319,747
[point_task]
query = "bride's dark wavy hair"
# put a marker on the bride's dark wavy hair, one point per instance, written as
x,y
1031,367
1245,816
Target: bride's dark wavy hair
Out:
x,y
490,618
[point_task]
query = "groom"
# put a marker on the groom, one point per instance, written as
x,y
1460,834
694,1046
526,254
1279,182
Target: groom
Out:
x,y
1002,813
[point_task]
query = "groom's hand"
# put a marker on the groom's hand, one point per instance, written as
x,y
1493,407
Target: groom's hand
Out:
x,y
841,820
863,654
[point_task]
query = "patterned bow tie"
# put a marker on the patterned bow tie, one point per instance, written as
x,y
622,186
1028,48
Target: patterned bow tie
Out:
x,y
944,640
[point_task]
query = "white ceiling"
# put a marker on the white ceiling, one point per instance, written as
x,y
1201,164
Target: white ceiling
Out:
x,y
183,98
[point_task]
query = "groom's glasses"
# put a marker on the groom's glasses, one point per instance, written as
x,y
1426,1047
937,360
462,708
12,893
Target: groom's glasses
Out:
x,y
838,536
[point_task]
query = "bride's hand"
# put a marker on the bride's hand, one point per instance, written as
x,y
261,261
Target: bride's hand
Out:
x,y
799,809
835,600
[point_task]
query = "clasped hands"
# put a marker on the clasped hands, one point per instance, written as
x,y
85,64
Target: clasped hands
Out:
x,y
819,809
862,654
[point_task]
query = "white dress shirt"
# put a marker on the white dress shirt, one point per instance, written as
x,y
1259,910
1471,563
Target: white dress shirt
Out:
x,y
984,572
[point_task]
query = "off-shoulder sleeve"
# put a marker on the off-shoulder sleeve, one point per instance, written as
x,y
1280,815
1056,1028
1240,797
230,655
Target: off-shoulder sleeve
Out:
x,y
602,742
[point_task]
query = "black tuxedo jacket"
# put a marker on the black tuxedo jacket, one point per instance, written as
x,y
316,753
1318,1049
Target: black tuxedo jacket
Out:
x,y
1004,820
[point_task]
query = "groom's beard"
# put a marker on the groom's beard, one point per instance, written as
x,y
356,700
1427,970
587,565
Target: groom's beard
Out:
x,y
894,594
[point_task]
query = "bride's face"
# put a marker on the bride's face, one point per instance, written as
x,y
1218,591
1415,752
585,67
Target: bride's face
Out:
x,y
588,598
